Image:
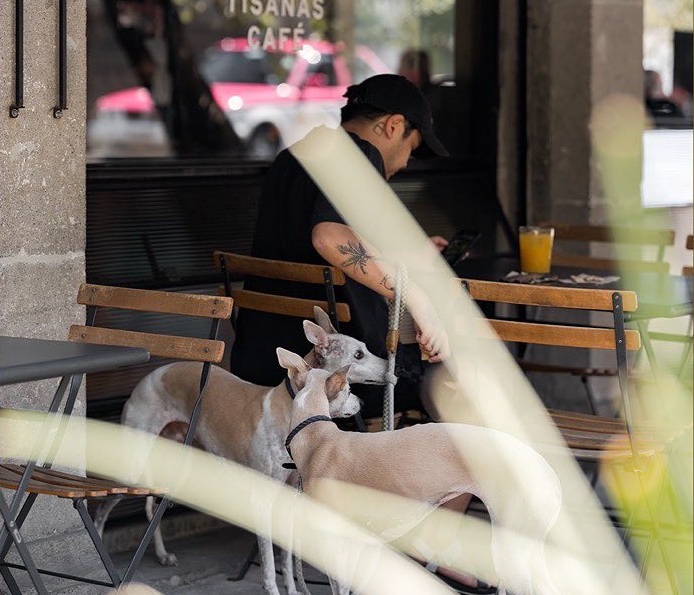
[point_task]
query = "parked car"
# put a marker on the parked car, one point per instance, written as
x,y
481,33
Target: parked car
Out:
x,y
271,99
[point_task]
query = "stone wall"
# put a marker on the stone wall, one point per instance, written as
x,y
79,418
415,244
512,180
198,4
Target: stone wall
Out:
x,y
42,217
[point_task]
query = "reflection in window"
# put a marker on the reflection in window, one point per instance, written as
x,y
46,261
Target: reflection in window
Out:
x,y
191,77
226,64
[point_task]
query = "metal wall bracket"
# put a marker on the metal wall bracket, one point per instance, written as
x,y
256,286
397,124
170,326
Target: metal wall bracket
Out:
x,y
62,59
18,59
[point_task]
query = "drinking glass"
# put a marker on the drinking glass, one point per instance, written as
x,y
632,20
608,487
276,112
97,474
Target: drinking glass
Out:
x,y
536,248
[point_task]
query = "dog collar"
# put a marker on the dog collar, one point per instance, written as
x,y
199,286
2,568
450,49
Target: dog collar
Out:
x,y
290,388
301,426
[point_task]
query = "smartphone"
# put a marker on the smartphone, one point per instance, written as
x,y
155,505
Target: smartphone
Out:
x,y
459,246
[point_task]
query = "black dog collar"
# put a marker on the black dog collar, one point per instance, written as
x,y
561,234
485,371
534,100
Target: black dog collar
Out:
x,y
290,388
301,426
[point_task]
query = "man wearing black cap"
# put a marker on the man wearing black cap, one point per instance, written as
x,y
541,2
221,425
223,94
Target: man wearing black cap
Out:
x,y
389,120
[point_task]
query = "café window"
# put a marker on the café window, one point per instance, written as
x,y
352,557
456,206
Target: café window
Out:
x,y
668,160
245,78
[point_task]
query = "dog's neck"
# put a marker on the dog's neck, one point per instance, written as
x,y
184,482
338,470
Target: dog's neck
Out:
x,y
307,422
310,406
290,388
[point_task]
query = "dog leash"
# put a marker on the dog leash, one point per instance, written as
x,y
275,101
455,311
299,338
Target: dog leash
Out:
x,y
396,308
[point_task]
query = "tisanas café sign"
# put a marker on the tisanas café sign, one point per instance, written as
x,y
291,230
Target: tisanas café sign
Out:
x,y
275,38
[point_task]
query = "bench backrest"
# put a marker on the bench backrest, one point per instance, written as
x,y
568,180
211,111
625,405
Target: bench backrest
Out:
x,y
560,335
617,339
237,267
585,234
214,308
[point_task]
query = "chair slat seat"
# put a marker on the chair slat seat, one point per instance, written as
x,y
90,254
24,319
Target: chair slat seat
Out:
x,y
245,266
289,306
99,483
44,483
586,421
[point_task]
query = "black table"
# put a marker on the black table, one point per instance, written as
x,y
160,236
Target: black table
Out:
x,y
24,360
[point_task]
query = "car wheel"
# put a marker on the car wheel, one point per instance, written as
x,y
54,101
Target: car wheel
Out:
x,y
265,142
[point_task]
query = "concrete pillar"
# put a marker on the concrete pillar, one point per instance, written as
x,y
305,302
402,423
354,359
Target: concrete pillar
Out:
x,y
579,53
42,224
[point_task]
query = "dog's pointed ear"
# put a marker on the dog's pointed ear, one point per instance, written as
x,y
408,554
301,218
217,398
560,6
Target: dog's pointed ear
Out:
x,y
336,382
293,363
323,320
316,334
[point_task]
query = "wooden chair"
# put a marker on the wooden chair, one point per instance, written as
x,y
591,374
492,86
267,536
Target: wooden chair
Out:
x,y
237,267
603,234
49,482
589,437
617,339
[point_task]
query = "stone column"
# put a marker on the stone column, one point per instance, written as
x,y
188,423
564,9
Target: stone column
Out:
x,y
42,226
579,52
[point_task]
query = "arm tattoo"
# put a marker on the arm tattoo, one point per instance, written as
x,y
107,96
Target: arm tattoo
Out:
x,y
387,282
357,255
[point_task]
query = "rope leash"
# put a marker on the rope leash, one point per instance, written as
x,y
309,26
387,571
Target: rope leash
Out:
x,y
396,309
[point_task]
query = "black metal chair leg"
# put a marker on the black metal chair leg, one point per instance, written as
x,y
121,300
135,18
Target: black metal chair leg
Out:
x,y
246,564
146,538
9,581
16,538
81,506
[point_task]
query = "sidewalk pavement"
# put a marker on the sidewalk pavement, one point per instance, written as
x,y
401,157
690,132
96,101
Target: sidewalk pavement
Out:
x,y
205,563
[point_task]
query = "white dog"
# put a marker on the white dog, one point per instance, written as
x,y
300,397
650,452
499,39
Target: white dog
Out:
x,y
240,421
429,463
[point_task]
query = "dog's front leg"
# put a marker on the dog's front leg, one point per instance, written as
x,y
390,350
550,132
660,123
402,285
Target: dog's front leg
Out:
x,y
299,574
288,574
267,565
164,557
338,588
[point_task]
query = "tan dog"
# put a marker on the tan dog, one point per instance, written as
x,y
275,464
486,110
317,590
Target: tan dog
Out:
x,y
428,463
240,421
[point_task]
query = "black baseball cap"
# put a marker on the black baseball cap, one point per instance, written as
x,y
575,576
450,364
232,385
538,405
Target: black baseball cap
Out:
x,y
396,95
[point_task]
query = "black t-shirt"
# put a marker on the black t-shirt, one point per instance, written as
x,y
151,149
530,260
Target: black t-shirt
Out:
x,y
290,206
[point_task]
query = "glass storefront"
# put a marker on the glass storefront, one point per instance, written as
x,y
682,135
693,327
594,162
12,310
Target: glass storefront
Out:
x,y
244,78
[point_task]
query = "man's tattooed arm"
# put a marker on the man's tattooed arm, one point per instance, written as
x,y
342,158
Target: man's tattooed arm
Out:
x,y
387,282
357,256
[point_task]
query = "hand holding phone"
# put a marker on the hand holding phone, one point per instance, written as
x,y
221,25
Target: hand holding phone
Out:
x,y
459,246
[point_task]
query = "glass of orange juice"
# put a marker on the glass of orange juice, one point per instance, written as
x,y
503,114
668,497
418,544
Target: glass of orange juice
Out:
x,y
536,248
